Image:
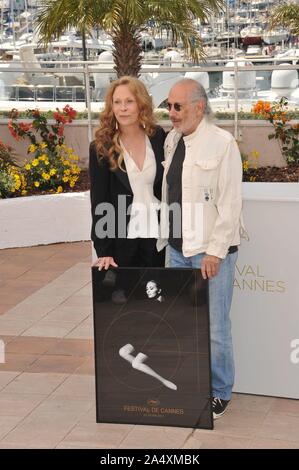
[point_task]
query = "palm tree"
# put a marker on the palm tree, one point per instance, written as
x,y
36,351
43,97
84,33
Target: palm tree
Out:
x,y
286,15
125,20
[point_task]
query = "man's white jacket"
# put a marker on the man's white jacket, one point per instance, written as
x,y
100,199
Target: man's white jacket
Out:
x,y
211,191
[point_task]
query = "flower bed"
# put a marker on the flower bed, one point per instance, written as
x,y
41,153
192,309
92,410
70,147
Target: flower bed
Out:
x,y
11,179
51,166
284,131
286,174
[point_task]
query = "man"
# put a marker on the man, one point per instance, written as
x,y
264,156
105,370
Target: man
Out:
x,y
203,176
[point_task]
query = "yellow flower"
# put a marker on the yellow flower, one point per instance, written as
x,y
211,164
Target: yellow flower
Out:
x,y
66,163
46,176
35,162
65,179
52,172
67,172
32,148
47,162
43,145
27,167
36,184
255,154
17,182
59,189
76,169
24,192
245,166
72,184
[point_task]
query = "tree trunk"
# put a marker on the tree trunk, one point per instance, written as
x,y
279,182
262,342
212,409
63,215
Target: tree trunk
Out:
x,y
84,45
127,51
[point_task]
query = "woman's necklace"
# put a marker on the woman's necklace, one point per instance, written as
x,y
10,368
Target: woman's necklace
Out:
x,y
132,154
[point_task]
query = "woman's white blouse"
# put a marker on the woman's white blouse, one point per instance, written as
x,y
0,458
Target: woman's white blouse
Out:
x,y
143,210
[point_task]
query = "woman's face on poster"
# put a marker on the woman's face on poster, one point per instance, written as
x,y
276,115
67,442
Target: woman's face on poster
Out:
x,y
151,289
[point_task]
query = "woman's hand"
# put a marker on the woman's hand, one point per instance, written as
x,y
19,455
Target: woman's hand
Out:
x,y
105,262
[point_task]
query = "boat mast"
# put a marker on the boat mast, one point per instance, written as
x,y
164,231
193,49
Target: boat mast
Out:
x,y
13,22
2,18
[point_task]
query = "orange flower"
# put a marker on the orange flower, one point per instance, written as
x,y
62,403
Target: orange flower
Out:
x,y
267,107
24,127
71,112
12,131
59,117
262,107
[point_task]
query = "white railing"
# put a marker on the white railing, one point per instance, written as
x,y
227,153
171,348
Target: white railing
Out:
x,y
90,67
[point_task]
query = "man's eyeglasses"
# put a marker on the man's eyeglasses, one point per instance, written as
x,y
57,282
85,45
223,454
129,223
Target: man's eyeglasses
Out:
x,y
177,106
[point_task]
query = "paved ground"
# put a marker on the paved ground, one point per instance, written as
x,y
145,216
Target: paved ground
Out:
x,y
47,381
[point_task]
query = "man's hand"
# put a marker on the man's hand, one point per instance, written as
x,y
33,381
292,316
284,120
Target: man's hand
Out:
x,y
210,266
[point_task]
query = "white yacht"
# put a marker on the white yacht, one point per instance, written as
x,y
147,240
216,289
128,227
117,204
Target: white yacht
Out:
x,y
275,36
251,35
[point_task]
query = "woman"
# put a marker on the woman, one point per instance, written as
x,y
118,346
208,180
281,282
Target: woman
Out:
x,y
154,291
126,177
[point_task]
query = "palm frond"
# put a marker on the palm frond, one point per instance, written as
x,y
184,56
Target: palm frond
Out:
x,y
192,43
286,15
55,16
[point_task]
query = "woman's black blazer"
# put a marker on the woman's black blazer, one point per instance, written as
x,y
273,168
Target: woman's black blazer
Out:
x,y
107,185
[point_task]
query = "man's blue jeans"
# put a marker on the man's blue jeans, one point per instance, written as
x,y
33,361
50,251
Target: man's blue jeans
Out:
x,y
220,297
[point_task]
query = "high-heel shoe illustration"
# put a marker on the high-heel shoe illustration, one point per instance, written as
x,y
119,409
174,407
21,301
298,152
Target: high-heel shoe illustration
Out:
x,y
138,364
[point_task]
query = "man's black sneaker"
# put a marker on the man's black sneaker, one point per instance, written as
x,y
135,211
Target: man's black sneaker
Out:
x,y
219,407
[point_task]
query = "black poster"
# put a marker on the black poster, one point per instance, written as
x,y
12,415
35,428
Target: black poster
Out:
x,y
152,347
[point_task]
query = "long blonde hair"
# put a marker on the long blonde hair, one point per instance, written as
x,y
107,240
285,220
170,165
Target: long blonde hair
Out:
x,y
107,136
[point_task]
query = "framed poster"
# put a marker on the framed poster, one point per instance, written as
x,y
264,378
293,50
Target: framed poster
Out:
x,y
152,347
